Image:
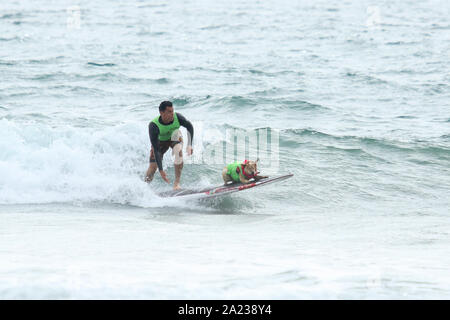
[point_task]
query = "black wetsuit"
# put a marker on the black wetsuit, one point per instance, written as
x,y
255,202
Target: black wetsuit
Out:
x,y
153,132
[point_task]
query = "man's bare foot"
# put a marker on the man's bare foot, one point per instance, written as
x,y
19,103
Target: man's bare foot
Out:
x,y
176,187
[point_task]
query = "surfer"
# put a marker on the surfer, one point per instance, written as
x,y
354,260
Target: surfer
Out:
x,y
164,133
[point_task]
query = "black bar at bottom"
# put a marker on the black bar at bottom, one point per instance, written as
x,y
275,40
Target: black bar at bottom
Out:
x,y
220,309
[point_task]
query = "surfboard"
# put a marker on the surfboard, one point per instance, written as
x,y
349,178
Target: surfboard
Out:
x,y
222,189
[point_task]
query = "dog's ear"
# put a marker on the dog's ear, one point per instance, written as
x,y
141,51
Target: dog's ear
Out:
x,y
251,163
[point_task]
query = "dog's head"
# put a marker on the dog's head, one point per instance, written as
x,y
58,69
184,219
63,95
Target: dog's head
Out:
x,y
251,167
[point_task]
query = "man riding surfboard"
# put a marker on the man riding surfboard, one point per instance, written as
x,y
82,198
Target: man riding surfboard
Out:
x,y
164,133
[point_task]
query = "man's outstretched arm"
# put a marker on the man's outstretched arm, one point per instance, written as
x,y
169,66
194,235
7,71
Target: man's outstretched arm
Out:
x,y
189,127
153,132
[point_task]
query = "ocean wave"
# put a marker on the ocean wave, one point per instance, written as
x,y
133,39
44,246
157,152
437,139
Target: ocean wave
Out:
x,y
359,77
406,117
11,38
259,102
432,89
116,77
301,105
161,5
181,101
96,64
213,27
325,143
43,163
235,102
15,15
7,63
363,143
47,76
267,92
440,27
80,89
162,80
47,60
401,43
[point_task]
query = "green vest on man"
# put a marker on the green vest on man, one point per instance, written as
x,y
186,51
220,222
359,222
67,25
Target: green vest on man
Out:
x,y
166,131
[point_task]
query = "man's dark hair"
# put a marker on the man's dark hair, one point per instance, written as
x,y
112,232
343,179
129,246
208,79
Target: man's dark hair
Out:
x,y
164,105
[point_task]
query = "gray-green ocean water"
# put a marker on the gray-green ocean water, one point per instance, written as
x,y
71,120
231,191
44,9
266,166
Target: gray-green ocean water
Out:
x,y
358,92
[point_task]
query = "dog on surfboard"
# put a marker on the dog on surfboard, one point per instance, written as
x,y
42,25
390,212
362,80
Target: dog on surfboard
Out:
x,y
241,172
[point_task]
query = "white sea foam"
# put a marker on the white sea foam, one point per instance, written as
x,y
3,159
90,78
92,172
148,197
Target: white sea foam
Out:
x,y
44,164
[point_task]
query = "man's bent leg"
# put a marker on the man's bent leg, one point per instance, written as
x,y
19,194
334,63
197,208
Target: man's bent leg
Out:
x,y
151,171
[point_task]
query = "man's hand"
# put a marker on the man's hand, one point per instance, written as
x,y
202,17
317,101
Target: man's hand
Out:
x,y
189,150
164,176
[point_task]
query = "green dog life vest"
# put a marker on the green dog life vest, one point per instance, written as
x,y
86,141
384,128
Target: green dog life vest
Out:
x,y
166,131
233,170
